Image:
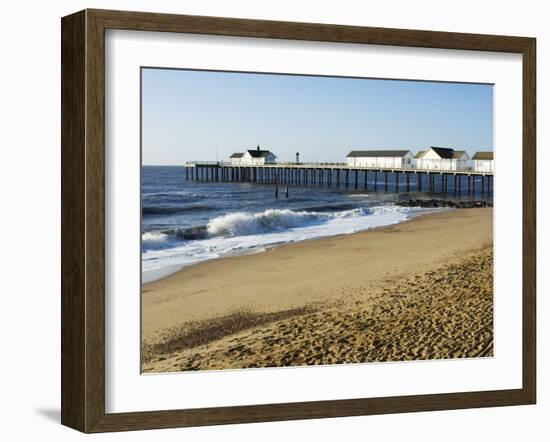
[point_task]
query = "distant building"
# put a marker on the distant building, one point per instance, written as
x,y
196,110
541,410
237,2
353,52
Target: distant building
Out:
x,y
484,162
391,159
253,157
442,158
236,158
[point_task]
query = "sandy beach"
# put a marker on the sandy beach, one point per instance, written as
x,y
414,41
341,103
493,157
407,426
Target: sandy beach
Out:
x,y
417,290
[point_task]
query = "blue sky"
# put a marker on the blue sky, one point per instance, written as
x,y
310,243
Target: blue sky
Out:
x,y
198,115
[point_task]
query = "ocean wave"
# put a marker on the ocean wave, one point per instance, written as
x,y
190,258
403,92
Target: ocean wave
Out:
x,y
177,195
331,207
169,210
185,196
239,233
154,239
271,220
171,237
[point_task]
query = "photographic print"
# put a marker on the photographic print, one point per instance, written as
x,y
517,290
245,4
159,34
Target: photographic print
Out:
x,y
300,220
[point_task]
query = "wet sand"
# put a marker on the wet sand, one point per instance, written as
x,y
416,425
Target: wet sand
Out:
x,y
417,290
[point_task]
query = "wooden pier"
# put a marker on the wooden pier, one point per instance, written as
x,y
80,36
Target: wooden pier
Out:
x,y
336,175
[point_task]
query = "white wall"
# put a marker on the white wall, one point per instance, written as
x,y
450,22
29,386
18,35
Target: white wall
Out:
x,y
441,164
431,161
30,221
249,160
385,162
484,165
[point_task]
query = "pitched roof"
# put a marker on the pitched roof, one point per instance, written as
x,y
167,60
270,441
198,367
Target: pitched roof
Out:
x,y
377,153
483,156
255,153
237,155
419,153
443,152
457,154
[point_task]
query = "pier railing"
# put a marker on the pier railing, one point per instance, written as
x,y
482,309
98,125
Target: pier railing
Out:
x,y
335,175
340,166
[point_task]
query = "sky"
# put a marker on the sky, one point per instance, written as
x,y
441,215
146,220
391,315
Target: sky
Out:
x,y
206,116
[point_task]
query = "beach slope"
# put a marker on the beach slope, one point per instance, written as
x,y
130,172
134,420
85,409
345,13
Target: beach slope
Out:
x,y
417,290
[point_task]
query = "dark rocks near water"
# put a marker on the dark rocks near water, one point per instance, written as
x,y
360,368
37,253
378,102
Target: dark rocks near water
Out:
x,y
435,203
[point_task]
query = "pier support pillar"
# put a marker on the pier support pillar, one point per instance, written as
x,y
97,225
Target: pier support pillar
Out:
x,y
396,182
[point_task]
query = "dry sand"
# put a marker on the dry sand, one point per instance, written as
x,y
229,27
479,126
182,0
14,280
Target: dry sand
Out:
x,y
418,290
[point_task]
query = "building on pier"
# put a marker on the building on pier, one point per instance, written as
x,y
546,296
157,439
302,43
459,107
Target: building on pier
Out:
x,y
393,159
236,158
442,158
417,157
484,162
253,157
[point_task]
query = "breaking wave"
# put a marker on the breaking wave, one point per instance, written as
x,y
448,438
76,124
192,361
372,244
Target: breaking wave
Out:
x,y
269,221
249,232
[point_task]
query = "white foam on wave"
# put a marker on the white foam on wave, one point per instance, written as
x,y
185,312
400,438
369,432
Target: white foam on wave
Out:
x,y
153,239
271,220
242,233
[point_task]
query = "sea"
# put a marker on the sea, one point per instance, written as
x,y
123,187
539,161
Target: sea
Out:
x,y
187,222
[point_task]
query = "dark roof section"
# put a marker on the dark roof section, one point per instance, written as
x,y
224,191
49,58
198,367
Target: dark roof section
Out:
x,y
419,153
237,155
377,153
443,152
255,153
483,156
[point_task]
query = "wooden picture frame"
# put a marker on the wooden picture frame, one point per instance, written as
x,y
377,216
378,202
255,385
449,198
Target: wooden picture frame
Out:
x,y
83,219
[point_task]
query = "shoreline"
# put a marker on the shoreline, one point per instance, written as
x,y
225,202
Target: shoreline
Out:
x,y
168,271
250,291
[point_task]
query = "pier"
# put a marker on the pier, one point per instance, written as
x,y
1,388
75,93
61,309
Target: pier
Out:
x,y
340,175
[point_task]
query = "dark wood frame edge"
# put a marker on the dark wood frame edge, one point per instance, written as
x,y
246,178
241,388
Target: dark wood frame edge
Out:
x,y
83,215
